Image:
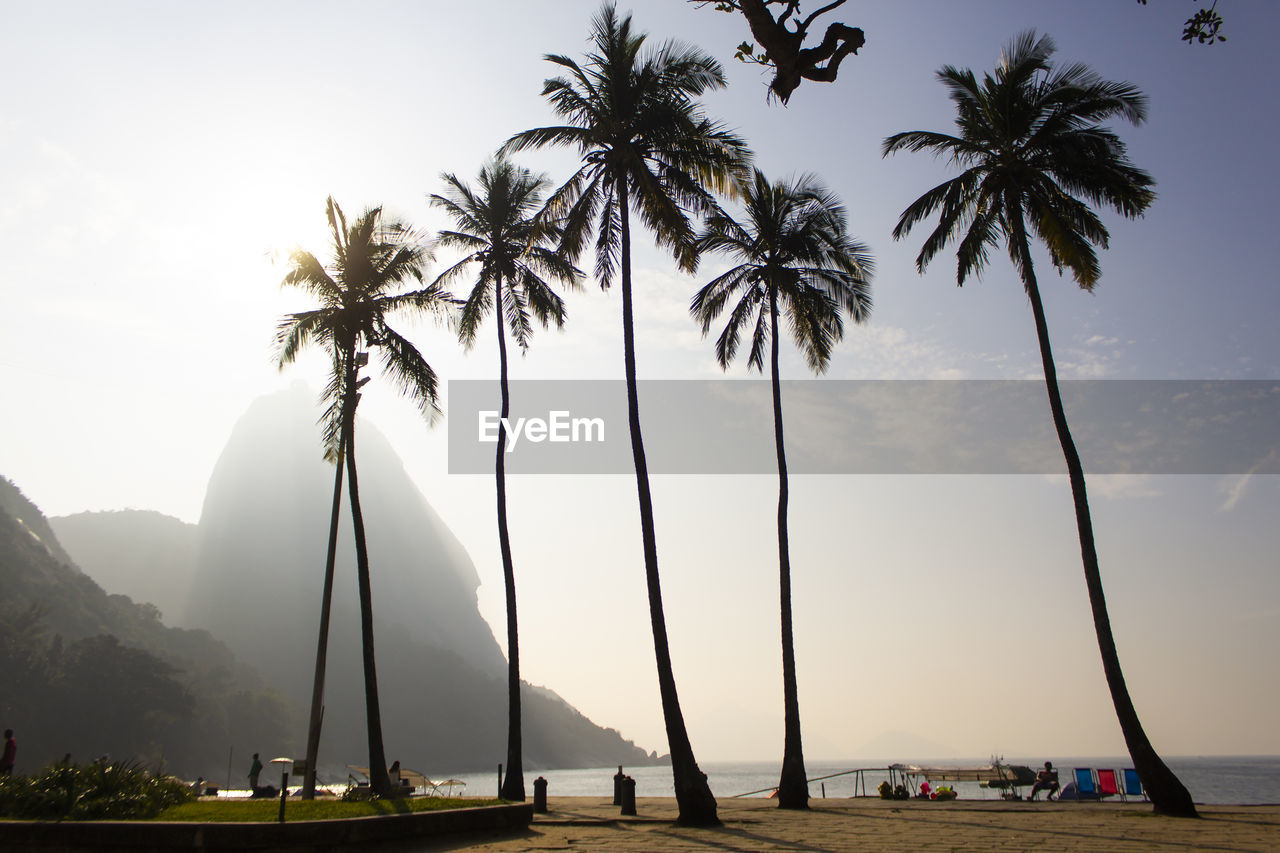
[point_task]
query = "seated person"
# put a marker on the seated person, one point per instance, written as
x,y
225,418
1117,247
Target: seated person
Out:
x,y
925,790
1046,780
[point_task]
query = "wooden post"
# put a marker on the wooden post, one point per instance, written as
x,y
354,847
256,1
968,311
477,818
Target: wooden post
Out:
x,y
284,792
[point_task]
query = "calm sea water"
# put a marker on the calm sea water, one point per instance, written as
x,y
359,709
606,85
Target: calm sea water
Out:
x,y
1220,780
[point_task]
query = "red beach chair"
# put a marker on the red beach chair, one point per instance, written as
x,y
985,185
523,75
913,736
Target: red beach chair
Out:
x,y
1107,783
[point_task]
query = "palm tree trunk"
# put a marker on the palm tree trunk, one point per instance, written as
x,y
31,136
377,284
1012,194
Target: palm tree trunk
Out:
x,y
793,787
322,643
1168,795
696,805
513,783
379,780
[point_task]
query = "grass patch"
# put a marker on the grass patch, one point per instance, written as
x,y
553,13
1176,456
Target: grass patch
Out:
x,y
268,811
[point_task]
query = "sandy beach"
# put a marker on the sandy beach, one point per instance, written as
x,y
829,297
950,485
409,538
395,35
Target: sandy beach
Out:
x,y
583,823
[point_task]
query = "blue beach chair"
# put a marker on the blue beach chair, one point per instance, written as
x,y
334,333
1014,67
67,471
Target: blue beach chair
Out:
x,y
1086,789
1133,785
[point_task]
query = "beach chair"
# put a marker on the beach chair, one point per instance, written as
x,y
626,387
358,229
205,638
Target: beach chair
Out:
x,y
1133,785
1085,787
1108,785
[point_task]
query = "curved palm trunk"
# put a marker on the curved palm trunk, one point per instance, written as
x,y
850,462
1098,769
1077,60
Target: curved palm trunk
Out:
x,y
1168,795
697,806
513,782
793,786
379,780
322,644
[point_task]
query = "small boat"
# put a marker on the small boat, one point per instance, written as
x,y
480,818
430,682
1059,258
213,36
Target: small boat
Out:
x,y
998,775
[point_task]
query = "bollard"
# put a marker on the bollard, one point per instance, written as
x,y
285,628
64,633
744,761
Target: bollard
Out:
x,y
284,792
628,796
540,795
617,786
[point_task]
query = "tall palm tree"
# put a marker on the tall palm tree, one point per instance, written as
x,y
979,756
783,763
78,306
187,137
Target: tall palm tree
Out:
x,y
1035,155
792,250
502,230
373,259
316,717
645,144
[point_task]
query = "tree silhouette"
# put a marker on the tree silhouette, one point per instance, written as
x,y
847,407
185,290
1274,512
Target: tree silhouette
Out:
x,y
781,40
372,261
1031,147
793,251
503,231
645,144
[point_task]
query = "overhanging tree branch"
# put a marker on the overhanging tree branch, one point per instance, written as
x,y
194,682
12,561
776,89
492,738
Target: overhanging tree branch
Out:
x,y
782,41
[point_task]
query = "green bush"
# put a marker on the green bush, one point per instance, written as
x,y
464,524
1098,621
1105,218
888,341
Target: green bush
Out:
x,y
98,791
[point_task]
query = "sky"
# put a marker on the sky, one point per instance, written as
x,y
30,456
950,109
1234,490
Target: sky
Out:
x,y
159,161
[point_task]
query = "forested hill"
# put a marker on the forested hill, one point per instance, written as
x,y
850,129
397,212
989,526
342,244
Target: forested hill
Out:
x,y
14,502
90,673
143,554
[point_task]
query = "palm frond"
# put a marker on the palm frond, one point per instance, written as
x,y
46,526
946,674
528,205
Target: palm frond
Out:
x,y
795,249
710,299
296,331
409,372
476,307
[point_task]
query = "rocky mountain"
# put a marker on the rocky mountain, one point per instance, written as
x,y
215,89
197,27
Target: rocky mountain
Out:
x,y
255,583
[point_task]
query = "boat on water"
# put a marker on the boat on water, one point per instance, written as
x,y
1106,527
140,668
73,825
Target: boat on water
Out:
x,y
997,775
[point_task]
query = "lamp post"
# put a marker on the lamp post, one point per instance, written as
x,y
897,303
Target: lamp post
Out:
x,y
285,764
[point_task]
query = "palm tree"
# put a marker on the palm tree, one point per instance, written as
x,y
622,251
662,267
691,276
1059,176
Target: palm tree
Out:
x,y
645,144
793,250
1031,147
372,260
333,455
501,228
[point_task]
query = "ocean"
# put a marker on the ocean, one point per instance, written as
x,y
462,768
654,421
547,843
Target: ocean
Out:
x,y
1227,780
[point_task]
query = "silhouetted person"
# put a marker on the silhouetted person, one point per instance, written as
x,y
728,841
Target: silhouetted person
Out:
x,y
10,753
394,773
255,769
1046,780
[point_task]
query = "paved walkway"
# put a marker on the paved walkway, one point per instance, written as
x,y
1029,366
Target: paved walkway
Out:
x,y
588,824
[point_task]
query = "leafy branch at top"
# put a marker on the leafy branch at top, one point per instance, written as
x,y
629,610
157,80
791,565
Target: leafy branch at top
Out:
x,y
1202,27
781,39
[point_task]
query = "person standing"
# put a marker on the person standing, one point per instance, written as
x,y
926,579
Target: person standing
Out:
x,y
10,753
254,770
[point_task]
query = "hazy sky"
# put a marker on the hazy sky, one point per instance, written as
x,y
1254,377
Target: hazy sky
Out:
x,y
158,159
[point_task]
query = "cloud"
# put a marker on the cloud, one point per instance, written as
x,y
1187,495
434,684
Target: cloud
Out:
x,y
1236,487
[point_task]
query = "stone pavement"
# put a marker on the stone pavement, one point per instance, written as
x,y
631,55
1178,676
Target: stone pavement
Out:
x,y
589,824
